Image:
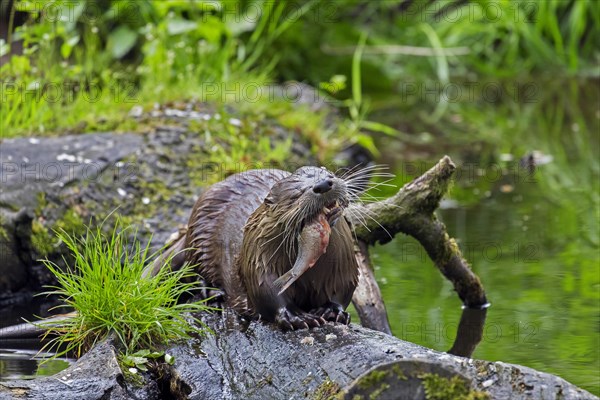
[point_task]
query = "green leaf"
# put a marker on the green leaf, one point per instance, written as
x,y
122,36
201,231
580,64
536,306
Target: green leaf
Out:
x,y
335,84
356,74
141,367
137,360
169,359
4,48
176,26
367,142
121,40
155,354
67,47
140,353
381,128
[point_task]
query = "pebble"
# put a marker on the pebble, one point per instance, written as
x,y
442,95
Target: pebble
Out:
x,y
308,340
136,111
488,383
66,157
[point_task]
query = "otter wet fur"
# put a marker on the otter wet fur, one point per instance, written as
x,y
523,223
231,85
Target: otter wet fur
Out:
x,y
253,228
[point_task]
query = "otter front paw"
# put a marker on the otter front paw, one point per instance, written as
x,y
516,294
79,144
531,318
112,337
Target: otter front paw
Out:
x,y
290,321
332,312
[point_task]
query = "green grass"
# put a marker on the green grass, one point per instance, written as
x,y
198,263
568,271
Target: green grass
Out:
x,y
211,52
106,288
172,50
75,73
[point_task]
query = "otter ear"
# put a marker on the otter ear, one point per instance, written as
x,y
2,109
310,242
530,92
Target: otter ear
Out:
x,y
269,199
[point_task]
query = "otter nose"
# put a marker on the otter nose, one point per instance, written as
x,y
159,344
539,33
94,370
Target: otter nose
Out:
x,y
323,186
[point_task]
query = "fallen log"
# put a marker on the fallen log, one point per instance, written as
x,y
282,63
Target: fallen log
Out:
x,y
256,360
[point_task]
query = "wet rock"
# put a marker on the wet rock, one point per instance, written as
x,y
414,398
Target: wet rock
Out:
x,y
33,170
151,180
13,272
96,375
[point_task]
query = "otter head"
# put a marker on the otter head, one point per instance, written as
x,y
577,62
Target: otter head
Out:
x,y
303,196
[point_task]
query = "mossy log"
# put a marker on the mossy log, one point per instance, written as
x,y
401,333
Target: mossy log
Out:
x,y
412,211
256,360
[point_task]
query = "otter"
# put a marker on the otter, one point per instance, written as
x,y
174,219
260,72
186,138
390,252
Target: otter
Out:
x,y
244,234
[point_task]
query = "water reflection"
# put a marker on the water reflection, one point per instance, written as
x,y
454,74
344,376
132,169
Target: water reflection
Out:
x,y
469,332
21,359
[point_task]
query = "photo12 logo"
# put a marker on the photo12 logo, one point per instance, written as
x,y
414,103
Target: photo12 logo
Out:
x,y
87,12
66,168
487,12
67,91
470,92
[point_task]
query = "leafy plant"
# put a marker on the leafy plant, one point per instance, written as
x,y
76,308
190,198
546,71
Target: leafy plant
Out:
x,y
140,359
110,295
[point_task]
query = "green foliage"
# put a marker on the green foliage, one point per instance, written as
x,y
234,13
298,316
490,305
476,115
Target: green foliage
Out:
x,y
416,49
358,108
83,68
106,288
86,73
41,240
431,39
140,359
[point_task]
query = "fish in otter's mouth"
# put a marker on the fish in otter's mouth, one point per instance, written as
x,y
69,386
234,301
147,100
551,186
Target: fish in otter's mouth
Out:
x,y
333,211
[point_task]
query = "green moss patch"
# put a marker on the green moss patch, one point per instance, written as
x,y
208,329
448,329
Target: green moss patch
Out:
x,y
455,388
326,390
41,240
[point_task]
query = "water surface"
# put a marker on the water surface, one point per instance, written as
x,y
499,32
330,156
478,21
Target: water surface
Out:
x,y
23,358
532,236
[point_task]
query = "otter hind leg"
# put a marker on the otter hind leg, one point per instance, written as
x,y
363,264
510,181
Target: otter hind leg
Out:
x,y
332,312
292,318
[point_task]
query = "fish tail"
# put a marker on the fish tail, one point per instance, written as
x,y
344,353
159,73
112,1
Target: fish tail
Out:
x,y
283,282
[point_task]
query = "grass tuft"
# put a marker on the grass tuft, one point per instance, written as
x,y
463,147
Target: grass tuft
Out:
x,y
106,288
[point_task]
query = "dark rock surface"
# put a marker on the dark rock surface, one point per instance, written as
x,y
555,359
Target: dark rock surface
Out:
x,y
258,361
150,179
95,376
34,172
